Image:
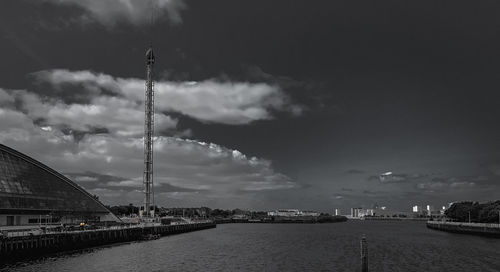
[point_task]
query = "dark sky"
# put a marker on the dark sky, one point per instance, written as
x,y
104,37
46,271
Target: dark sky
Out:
x,y
305,103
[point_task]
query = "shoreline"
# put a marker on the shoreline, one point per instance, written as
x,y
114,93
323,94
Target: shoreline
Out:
x,y
481,229
283,220
396,219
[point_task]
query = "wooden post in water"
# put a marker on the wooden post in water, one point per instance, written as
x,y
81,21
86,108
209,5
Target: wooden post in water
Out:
x,y
364,254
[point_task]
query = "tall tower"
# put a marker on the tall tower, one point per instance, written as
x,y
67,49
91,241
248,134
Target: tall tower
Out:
x,y
148,137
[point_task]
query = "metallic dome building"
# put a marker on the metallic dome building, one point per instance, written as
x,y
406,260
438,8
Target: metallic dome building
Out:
x,y
32,193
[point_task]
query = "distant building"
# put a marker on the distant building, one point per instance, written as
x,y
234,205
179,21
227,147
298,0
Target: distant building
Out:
x,y
356,212
239,216
337,212
284,212
309,213
429,210
360,212
417,209
292,212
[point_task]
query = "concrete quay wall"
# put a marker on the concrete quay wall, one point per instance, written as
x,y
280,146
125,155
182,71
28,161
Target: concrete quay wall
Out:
x,y
32,245
484,229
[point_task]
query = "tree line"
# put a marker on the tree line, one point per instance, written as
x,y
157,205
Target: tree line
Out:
x,y
476,212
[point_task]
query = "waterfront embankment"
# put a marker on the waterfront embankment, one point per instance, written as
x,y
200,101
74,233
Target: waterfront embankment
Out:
x,y
484,229
395,218
24,244
284,220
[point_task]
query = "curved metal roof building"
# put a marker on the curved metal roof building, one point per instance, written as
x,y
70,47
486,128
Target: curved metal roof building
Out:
x,y
28,187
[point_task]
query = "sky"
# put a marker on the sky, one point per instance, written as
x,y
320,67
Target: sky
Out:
x,y
259,105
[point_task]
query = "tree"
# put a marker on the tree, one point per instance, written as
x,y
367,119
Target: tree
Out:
x,y
481,213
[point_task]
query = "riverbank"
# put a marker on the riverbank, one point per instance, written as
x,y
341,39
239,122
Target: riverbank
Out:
x,y
395,218
285,219
30,244
483,229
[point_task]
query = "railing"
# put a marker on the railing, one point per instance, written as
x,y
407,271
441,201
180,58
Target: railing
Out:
x,y
37,232
465,224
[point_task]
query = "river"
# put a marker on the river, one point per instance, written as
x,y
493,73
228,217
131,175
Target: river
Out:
x,y
392,246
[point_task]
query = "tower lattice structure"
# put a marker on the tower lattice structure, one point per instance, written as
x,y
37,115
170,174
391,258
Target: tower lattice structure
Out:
x,y
148,136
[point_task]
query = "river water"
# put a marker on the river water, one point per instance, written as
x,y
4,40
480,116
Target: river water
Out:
x,y
392,246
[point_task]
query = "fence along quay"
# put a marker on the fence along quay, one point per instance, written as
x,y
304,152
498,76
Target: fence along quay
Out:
x,y
15,245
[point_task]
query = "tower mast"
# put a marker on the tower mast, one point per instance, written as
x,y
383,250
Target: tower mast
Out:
x,y
148,136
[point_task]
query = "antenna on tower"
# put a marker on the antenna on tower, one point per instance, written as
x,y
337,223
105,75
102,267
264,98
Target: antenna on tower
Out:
x,y
151,22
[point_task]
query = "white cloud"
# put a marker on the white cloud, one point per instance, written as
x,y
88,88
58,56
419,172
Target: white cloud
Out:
x,y
117,115
444,185
5,98
431,185
462,184
209,169
198,170
208,101
136,12
84,179
389,177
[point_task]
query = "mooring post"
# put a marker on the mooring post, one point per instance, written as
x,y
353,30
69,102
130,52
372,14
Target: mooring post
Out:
x,y
364,254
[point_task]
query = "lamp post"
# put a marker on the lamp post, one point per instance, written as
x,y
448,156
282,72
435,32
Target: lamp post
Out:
x,y
469,216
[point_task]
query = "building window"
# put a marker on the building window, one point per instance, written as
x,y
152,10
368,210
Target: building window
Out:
x,y
10,220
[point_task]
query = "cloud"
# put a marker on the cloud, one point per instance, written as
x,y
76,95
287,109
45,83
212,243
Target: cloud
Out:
x,y
494,168
392,178
462,184
92,180
115,115
389,177
445,185
373,177
135,12
109,163
431,185
209,101
85,179
181,165
355,172
90,126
